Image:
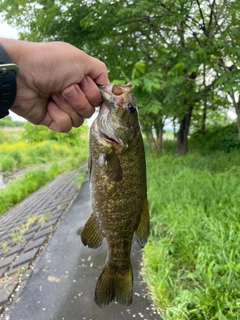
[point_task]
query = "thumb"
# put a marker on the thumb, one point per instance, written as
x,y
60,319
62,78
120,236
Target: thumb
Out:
x,y
56,119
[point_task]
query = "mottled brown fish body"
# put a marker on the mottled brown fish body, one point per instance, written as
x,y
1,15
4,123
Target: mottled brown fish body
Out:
x,y
119,200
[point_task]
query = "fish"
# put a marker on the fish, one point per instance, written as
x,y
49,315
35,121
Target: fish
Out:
x,y
118,190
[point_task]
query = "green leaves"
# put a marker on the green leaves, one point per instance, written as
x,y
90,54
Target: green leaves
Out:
x,y
230,80
179,54
139,69
147,86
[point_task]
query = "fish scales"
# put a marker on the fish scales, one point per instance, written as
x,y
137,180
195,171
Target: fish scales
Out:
x,y
118,192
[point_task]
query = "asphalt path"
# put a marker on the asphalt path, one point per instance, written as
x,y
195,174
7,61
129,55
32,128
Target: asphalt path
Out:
x,y
62,284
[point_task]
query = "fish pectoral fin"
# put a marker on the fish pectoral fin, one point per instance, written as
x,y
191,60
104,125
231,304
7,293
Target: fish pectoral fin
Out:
x,y
114,285
91,235
143,229
113,167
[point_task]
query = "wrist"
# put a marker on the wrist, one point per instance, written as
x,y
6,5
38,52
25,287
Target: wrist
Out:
x,y
8,82
13,48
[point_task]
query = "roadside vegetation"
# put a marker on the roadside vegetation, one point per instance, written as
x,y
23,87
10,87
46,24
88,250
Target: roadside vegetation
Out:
x,y
43,153
192,259
182,58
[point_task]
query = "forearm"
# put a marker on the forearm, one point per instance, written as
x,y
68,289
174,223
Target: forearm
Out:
x,y
13,48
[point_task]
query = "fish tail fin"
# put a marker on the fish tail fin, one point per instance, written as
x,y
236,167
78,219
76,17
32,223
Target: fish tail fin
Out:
x,y
114,285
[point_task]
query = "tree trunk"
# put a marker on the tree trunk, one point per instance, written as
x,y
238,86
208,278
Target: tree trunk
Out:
x,y
237,108
204,117
236,104
174,129
182,134
203,128
156,139
152,141
159,141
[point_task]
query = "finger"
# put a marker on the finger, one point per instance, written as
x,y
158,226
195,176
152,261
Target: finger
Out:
x,y
91,91
96,69
56,119
76,119
76,98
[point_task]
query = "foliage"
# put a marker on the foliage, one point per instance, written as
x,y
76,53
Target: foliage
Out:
x,y
8,122
3,136
37,150
20,188
32,181
7,163
186,52
33,133
22,155
224,138
191,261
64,154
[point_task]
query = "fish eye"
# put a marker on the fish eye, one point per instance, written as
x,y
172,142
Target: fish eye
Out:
x,y
131,108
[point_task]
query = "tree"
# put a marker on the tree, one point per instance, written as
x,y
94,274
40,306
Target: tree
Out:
x,y
179,42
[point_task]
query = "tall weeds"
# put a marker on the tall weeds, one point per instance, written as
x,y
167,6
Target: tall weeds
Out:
x,y
192,260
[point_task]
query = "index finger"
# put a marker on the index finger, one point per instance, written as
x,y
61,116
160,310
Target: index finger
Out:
x,y
97,70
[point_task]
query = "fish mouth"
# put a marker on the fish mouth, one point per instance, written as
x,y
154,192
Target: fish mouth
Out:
x,y
105,129
106,91
114,89
108,139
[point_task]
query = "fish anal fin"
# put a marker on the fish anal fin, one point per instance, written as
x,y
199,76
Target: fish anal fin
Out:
x,y
114,285
143,229
91,235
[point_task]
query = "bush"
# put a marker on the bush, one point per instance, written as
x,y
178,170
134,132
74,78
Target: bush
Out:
x,y
3,136
7,164
35,133
217,138
16,155
40,153
8,122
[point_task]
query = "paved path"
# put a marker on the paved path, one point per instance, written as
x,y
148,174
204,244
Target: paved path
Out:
x,y
45,277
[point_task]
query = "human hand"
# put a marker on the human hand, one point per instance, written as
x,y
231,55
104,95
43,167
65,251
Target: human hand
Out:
x,y
56,85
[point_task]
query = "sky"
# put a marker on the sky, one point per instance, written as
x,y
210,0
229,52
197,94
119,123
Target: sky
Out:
x,y
7,31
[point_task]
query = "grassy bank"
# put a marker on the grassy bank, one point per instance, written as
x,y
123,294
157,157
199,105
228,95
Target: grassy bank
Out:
x,y
66,152
192,260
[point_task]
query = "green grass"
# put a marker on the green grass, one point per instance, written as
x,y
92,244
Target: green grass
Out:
x,y
38,145
59,156
20,188
22,154
192,259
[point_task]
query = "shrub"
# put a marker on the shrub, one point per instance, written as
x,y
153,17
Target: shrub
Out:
x,y
217,138
7,163
16,155
35,133
3,136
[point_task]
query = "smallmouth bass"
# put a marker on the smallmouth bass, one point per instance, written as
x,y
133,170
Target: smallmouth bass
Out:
x,y
118,191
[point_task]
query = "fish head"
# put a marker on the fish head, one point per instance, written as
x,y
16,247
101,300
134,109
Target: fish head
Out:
x,y
118,116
